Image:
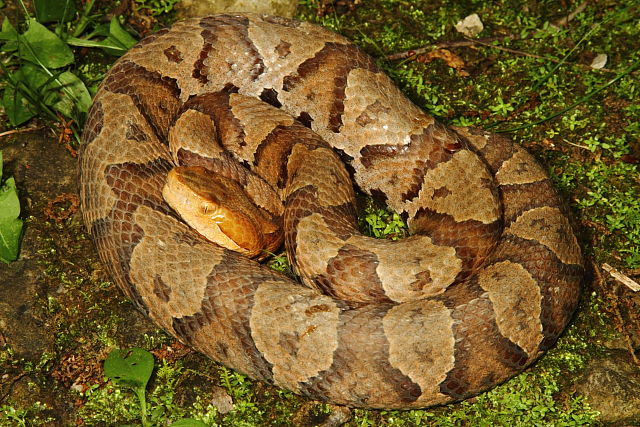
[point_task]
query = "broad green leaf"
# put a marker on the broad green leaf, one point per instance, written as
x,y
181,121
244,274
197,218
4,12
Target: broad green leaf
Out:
x,y
38,82
17,107
117,40
73,94
109,46
10,224
64,92
132,367
10,232
9,203
188,422
9,34
118,37
120,34
33,76
8,30
54,10
41,46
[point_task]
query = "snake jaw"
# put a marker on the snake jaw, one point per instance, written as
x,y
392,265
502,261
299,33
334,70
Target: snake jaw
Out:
x,y
210,204
199,213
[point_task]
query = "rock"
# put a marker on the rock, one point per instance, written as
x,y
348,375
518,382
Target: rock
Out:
x,y
339,416
221,400
41,170
470,26
611,385
192,8
599,61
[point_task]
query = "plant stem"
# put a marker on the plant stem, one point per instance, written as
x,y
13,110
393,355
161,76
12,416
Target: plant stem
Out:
x,y
84,19
578,102
26,12
140,392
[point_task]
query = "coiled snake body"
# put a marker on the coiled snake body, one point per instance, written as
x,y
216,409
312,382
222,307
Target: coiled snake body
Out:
x,y
486,283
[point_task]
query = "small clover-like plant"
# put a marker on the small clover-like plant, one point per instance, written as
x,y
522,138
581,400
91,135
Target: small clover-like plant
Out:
x,y
133,368
382,223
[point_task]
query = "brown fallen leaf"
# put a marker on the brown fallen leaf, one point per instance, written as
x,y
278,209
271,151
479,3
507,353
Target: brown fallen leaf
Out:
x,y
450,58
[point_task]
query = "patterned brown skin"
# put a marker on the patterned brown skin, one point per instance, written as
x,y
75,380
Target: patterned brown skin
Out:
x,y
486,283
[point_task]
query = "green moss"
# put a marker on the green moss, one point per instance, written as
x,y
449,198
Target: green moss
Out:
x,y
33,415
112,404
612,199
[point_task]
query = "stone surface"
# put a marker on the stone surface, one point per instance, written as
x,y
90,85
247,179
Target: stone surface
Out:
x,y
610,385
340,415
221,400
470,26
41,170
49,319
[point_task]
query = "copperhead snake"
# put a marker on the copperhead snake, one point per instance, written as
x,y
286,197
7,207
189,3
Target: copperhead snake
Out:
x,y
487,281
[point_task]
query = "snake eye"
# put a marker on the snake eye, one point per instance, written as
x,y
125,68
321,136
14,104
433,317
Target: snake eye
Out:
x,y
205,209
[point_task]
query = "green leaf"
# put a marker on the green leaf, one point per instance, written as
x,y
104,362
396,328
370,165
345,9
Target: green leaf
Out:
x,y
54,11
8,31
9,34
73,94
120,34
34,77
9,203
118,37
117,40
42,47
29,86
188,422
10,224
63,92
132,367
10,232
17,107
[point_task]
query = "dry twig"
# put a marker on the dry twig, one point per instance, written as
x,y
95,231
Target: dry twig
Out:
x,y
14,131
622,278
613,296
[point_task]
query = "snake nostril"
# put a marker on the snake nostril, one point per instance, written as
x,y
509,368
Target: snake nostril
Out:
x,y
452,147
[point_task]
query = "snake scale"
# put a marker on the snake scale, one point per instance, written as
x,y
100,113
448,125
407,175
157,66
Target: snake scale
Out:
x,y
486,282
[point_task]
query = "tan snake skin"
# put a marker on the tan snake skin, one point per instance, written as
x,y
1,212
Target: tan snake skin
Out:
x,y
487,281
